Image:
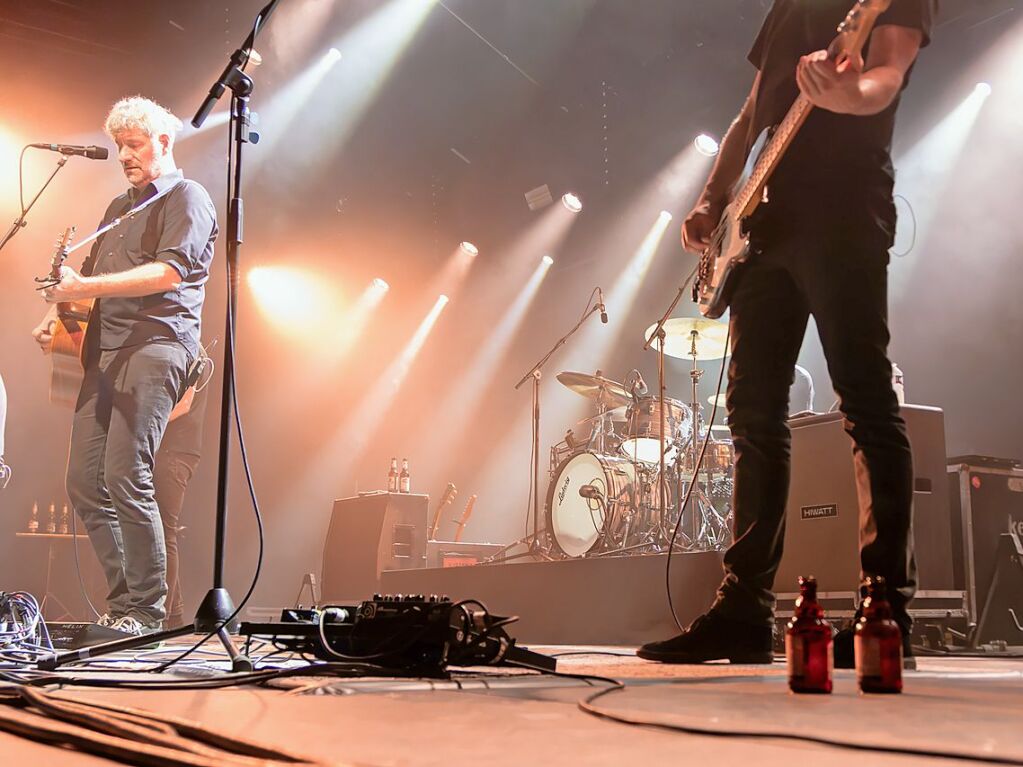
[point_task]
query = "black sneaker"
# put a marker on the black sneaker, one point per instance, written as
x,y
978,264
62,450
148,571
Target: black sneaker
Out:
x,y
713,637
845,652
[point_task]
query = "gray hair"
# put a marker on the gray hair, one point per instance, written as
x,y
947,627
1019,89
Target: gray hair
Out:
x,y
136,112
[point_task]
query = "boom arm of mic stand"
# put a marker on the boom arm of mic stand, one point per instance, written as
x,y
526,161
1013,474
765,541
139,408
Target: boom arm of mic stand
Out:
x,y
561,342
235,64
19,222
664,318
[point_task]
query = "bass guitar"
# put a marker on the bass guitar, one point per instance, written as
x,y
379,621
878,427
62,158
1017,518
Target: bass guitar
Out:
x,y
729,244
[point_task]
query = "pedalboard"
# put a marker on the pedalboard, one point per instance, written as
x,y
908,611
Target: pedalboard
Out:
x,y
412,633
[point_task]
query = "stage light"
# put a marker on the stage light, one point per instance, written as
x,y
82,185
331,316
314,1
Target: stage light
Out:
x,y
450,420
333,56
380,284
666,216
292,299
706,145
572,202
469,249
983,90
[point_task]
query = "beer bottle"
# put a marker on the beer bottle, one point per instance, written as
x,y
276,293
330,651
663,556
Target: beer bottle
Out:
x,y
808,646
878,642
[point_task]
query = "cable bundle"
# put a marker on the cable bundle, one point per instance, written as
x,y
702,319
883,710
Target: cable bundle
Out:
x,y
23,633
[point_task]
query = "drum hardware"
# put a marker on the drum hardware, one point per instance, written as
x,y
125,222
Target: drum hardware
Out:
x,y
538,539
696,339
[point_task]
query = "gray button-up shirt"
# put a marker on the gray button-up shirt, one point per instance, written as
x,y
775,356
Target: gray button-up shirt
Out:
x,y
178,229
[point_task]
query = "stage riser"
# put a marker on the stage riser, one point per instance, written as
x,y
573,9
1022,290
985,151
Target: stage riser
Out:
x,y
614,600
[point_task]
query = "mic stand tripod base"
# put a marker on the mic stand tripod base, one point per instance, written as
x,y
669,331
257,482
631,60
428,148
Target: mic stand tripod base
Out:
x,y
215,609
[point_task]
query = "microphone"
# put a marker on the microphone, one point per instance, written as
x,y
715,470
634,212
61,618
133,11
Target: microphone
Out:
x,y
92,152
600,303
638,384
591,491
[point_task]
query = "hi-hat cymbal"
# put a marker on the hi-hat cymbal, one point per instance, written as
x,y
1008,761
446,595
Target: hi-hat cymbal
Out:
x,y
602,390
679,333
717,399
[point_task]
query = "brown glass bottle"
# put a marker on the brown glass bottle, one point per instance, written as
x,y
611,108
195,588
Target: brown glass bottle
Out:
x,y
808,644
878,642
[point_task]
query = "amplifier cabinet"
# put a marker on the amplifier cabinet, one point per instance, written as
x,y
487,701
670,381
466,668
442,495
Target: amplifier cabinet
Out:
x,y
986,502
368,534
822,515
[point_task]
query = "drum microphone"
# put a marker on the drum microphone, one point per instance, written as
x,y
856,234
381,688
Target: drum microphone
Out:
x,y
600,305
92,152
591,491
638,384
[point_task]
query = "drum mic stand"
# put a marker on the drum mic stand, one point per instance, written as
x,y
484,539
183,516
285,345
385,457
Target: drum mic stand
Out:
x,y
658,334
536,541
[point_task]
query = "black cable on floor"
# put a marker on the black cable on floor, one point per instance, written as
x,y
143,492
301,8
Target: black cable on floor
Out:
x,y
587,707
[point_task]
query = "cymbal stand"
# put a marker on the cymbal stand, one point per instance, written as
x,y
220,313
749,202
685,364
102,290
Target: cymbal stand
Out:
x,y
706,522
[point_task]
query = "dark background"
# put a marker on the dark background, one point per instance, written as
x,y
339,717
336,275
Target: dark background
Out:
x,y
361,179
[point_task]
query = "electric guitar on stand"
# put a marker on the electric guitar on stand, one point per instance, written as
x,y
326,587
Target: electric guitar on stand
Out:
x,y
729,244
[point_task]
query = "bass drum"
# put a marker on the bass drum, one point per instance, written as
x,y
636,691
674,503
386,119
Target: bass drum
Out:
x,y
580,525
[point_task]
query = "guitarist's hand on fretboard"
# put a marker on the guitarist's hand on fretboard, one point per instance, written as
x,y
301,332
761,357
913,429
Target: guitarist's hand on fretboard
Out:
x,y
72,287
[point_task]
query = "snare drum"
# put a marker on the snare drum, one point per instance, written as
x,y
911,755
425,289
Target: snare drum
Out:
x,y
643,428
578,524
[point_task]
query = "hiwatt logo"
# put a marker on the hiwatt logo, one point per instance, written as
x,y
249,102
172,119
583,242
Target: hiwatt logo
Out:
x,y
819,512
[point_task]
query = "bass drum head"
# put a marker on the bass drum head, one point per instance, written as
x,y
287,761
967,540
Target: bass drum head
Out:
x,y
576,523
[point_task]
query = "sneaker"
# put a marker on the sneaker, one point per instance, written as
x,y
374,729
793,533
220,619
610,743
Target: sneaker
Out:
x,y
713,637
131,625
845,652
106,620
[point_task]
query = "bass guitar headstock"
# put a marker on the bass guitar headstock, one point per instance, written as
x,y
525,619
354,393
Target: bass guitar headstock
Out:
x,y
854,31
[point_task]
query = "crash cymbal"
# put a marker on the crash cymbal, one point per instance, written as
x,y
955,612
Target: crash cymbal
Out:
x,y
717,399
678,334
602,390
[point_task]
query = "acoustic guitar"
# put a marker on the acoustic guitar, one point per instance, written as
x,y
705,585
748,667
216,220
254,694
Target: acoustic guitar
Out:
x,y
67,372
729,244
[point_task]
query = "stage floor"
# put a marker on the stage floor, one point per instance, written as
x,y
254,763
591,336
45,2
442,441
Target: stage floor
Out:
x,y
959,706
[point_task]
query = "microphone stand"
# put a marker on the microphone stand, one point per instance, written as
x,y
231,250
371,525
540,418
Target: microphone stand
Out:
x,y
19,222
538,545
659,335
216,614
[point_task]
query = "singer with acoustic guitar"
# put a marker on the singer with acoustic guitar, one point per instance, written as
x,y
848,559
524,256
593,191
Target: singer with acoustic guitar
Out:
x,y
146,278
818,246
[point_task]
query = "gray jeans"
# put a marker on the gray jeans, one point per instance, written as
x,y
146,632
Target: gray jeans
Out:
x,y
123,408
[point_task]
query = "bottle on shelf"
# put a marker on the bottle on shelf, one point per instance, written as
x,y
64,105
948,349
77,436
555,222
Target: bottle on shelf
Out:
x,y
404,479
64,528
33,520
392,477
51,520
809,651
878,642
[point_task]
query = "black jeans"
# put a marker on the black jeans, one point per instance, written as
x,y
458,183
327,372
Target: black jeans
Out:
x,y
838,274
126,399
174,471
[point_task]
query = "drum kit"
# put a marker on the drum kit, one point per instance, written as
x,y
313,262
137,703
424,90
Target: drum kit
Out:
x,y
620,487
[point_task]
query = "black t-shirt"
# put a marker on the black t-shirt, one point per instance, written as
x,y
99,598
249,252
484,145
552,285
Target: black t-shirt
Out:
x,y
835,161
